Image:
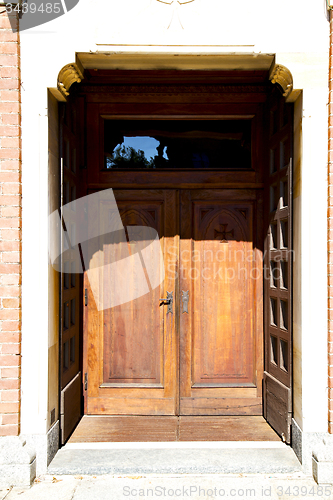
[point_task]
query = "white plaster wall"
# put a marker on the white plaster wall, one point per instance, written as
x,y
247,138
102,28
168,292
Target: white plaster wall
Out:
x,y
314,262
44,51
297,32
297,269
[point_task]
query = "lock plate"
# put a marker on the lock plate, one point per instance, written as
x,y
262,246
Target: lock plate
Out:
x,y
169,301
185,297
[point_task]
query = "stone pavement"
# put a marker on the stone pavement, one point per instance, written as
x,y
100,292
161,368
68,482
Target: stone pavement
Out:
x,y
196,471
172,486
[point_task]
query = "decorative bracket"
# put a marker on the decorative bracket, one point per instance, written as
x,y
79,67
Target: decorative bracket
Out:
x,y
68,75
281,75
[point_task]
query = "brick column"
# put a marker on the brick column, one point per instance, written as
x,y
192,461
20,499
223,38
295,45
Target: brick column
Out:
x,y
10,226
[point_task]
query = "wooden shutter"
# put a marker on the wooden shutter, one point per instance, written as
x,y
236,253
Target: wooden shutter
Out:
x,y
278,267
71,280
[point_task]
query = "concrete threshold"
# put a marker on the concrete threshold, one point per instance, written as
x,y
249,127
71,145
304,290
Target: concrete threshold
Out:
x,y
249,457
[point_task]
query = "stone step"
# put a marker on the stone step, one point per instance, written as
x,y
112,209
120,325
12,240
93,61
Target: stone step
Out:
x,y
163,458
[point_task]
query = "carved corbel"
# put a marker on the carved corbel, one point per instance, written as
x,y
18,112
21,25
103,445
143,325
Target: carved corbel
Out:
x,y
68,75
282,76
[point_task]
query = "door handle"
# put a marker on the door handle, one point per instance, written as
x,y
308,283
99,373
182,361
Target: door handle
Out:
x,y
185,297
169,301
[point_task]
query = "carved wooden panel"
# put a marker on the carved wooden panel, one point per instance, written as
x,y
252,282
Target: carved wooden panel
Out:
x,y
223,298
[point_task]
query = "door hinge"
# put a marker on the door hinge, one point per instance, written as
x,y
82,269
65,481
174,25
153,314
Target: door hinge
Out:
x,y
86,297
86,381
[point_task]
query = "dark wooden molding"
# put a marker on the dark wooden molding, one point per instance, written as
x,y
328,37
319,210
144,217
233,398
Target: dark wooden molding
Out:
x,y
196,90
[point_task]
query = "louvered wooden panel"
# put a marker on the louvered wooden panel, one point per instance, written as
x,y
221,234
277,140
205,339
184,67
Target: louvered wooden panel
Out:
x,y
71,281
278,267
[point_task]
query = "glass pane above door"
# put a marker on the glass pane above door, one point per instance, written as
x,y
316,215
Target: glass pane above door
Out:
x,y
177,144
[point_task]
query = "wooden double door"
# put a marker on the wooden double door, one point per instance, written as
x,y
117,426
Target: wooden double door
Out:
x,y
200,351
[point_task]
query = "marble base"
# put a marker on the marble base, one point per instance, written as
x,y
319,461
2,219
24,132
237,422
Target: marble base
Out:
x,y
303,444
17,462
46,446
322,461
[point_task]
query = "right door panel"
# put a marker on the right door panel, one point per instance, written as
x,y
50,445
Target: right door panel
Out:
x,y
278,267
221,359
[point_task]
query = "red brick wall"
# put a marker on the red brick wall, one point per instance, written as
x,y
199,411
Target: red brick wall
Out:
x,y
10,227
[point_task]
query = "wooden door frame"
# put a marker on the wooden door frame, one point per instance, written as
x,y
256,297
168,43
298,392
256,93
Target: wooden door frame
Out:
x,y
195,102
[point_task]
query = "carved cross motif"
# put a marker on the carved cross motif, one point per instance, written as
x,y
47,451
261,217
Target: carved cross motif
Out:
x,y
174,5
223,233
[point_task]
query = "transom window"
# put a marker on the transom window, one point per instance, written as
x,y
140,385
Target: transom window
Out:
x,y
177,144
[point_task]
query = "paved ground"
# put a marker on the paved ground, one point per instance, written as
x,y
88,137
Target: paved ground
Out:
x,y
170,486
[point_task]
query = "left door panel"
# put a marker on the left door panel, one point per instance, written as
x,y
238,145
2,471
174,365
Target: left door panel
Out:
x,y
71,282
129,334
